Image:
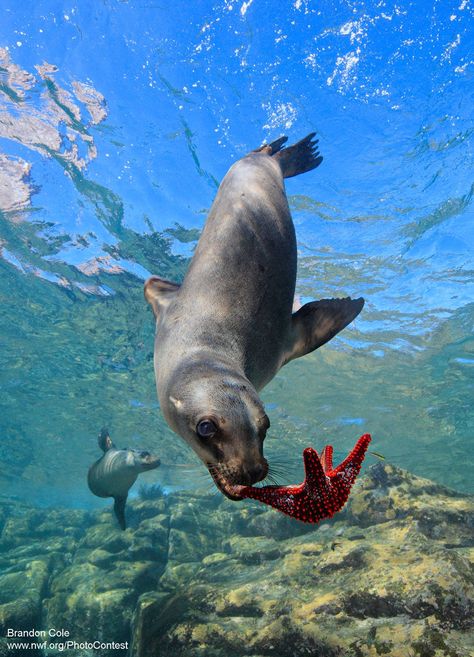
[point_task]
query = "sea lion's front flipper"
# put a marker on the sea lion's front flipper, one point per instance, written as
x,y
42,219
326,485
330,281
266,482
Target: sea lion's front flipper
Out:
x,y
160,293
318,321
119,510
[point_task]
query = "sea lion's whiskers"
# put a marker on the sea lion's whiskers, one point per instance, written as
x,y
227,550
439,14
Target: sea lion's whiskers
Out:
x,y
273,480
194,473
212,489
278,466
283,472
182,465
284,460
280,472
214,468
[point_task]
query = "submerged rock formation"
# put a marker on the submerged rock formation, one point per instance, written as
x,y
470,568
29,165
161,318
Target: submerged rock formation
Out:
x,y
199,576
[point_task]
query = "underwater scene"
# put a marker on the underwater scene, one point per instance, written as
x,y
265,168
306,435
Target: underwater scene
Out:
x,y
222,506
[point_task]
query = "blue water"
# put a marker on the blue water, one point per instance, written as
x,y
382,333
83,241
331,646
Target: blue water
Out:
x,y
117,122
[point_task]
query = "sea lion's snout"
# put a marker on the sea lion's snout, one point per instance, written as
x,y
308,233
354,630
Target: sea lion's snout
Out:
x,y
229,476
254,473
152,462
241,461
147,461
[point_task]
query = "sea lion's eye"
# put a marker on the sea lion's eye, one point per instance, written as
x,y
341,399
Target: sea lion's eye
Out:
x,y
206,428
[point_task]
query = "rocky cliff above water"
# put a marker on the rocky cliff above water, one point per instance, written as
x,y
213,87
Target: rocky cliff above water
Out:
x,y
199,576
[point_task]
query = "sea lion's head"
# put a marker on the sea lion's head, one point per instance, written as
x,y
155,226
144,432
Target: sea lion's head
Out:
x,y
136,459
141,460
220,415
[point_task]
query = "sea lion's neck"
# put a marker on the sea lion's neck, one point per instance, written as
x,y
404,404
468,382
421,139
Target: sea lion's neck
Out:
x,y
202,365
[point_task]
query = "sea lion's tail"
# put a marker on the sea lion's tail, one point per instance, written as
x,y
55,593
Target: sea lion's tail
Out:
x,y
293,160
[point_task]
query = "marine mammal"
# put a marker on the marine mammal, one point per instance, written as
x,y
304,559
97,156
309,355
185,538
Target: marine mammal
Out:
x,y
225,332
116,471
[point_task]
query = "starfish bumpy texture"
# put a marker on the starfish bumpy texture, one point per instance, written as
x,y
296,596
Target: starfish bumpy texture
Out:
x,y
325,489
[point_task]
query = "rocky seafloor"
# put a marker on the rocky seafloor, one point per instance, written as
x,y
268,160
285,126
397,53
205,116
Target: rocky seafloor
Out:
x,y
199,576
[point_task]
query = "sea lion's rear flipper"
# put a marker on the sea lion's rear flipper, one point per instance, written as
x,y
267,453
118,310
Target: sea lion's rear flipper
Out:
x,y
160,293
318,321
273,147
104,440
299,158
119,510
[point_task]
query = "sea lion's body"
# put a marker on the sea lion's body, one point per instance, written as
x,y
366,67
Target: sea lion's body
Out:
x,y
116,471
114,474
227,330
248,280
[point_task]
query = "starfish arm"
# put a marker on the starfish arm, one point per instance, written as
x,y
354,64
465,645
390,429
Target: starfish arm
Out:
x,y
282,498
313,469
269,494
354,460
343,477
326,458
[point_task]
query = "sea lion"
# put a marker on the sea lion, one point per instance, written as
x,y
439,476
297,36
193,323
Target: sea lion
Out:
x,y
116,471
225,332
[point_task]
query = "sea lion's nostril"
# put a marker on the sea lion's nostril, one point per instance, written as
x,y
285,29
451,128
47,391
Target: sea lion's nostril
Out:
x,y
258,472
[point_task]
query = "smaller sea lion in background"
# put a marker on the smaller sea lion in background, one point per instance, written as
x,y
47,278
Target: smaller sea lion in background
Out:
x,y
116,471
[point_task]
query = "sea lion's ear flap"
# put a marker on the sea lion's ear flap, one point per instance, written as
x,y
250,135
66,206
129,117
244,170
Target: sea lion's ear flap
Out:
x,y
317,322
160,293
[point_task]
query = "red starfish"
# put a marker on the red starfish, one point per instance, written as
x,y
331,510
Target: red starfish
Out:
x,y
324,491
